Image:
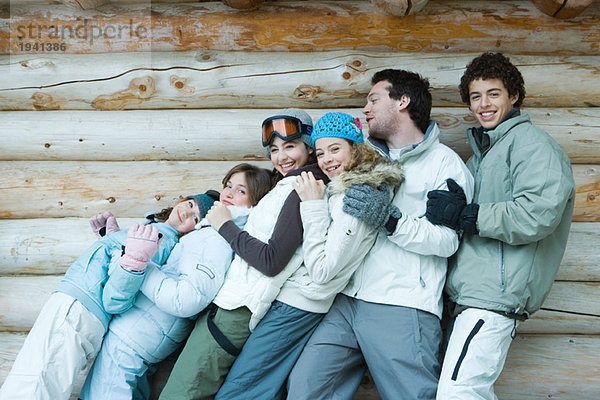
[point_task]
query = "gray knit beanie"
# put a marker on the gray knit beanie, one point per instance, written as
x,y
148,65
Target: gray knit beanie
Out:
x,y
303,117
205,201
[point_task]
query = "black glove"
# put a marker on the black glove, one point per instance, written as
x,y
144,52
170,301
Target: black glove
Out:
x,y
372,206
449,208
468,219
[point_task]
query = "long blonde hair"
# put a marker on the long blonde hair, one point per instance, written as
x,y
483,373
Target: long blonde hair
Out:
x,y
361,153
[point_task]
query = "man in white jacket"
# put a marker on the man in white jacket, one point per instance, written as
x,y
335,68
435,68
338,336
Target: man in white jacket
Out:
x,y
388,317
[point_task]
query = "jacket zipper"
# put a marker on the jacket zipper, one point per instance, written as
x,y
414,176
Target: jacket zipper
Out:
x,y
501,267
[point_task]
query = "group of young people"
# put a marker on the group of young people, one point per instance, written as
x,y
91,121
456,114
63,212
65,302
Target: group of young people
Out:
x,y
291,283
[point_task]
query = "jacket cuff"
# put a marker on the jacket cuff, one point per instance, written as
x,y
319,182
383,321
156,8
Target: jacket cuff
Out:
x,y
229,230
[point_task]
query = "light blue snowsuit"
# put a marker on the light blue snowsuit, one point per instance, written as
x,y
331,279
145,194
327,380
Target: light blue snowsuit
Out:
x,y
161,317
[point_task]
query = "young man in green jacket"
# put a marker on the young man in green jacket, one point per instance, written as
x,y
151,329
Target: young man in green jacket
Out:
x,y
514,232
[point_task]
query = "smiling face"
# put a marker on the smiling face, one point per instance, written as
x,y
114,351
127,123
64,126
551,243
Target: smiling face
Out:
x,y
490,102
333,154
289,155
184,217
235,191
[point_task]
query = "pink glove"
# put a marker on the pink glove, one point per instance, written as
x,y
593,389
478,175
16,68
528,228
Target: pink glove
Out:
x,y
142,243
103,224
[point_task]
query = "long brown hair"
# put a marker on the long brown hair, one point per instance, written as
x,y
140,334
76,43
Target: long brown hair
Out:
x,y
258,180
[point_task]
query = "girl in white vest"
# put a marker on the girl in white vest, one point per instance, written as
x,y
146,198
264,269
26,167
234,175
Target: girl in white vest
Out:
x,y
268,251
334,244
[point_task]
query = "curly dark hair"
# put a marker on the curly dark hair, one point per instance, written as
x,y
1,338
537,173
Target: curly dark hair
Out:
x,y
412,85
493,66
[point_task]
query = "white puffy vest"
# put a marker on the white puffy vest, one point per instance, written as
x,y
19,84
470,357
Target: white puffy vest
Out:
x,y
246,286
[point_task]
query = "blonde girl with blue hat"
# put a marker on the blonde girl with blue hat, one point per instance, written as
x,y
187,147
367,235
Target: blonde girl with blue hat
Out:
x,y
333,246
268,251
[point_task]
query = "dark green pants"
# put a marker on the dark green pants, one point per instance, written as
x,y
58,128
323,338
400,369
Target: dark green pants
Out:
x,y
203,365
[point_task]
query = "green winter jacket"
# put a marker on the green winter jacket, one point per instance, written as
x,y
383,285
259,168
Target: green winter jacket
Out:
x,y
525,188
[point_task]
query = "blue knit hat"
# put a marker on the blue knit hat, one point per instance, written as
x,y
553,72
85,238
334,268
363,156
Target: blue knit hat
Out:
x,y
337,124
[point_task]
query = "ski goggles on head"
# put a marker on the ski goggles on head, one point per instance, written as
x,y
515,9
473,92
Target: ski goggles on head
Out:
x,y
287,128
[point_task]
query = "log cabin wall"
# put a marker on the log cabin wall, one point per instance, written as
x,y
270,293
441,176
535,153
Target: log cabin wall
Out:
x,y
155,100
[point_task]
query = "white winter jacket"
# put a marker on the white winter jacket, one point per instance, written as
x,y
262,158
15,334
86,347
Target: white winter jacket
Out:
x,y
246,286
408,267
334,243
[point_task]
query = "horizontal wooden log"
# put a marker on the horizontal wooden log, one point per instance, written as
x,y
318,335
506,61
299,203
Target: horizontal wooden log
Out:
x,y
587,198
84,4
216,79
400,7
562,8
551,367
232,134
22,298
443,26
538,366
46,246
21,3
80,189
574,297
557,322
581,261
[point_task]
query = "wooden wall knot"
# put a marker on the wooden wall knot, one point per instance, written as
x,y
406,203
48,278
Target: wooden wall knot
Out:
x,y
144,86
242,4
84,4
204,56
43,102
307,92
353,68
400,8
139,90
180,84
562,9
446,121
36,64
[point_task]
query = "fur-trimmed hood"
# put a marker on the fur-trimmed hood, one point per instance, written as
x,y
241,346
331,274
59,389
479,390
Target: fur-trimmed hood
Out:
x,y
381,171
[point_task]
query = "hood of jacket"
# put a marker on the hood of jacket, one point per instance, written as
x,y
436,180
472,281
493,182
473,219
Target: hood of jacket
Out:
x,y
376,173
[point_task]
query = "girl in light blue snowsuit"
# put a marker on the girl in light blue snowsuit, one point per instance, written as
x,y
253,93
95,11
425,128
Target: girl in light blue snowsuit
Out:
x,y
69,329
171,296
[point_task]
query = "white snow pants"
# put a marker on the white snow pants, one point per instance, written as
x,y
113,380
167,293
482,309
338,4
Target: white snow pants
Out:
x,y
475,355
64,339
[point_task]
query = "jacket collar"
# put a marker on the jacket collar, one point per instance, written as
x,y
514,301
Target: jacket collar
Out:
x,y
431,136
482,140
